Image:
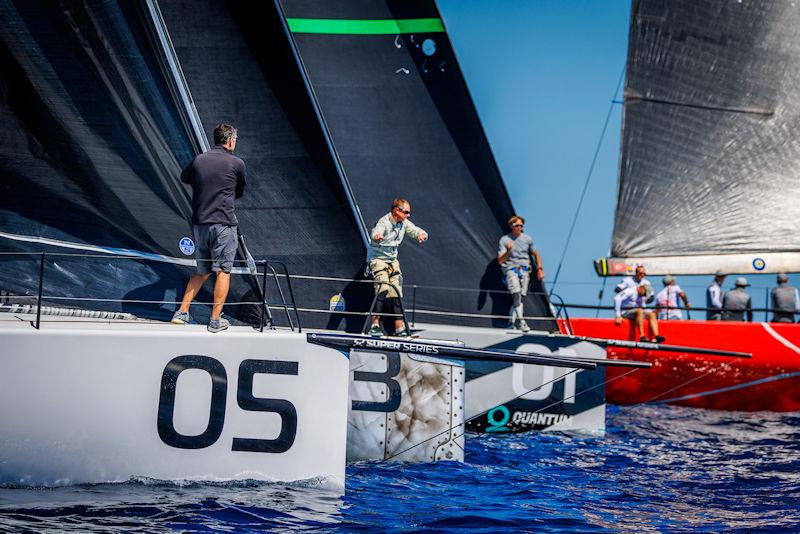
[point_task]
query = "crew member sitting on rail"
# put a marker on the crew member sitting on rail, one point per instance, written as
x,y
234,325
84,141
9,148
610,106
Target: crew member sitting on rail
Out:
x,y
385,238
637,279
714,297
736,301
785,301
632,298
514,256
667,300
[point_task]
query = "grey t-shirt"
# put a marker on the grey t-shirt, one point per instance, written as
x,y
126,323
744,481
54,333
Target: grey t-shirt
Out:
x,y
521,252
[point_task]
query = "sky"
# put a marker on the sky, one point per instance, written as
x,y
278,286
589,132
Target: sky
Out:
x,y
543,75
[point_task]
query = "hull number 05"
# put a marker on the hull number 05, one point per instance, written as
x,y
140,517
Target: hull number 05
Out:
x,y
219,393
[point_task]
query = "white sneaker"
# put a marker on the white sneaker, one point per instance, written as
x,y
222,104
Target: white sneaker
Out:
x,y
522,326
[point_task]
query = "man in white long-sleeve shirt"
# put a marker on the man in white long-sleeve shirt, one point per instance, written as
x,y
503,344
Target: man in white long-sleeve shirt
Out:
x,y
631,302
385,239
714,295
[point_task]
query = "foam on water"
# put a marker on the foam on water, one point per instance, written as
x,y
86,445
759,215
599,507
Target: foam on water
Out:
x,y
658,468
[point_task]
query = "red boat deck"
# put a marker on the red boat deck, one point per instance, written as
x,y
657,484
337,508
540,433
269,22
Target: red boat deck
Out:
x,y
770,380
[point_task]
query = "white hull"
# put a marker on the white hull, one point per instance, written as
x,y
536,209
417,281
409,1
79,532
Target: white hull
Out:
x,y
94,403
504,397
405,407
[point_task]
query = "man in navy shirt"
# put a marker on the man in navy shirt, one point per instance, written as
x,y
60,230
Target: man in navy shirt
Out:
x,y
217,178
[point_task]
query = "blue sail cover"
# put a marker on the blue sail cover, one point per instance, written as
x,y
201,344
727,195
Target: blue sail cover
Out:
x,y
402,122
91,148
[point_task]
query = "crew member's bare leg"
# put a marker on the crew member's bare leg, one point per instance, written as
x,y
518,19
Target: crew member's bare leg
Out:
x,y
653,321
640,321
192,288
221,287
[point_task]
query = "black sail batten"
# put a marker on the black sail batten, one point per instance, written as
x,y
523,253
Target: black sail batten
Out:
x,y
92,143
240,69
403,124
710,155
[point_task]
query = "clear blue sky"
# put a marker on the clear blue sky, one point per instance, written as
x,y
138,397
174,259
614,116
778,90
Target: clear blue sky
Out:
x,y
543,74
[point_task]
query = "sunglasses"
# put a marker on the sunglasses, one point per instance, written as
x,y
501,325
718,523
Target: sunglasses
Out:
x,y
517,225
407,212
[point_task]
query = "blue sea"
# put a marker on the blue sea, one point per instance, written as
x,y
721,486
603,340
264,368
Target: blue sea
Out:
x,y
658,468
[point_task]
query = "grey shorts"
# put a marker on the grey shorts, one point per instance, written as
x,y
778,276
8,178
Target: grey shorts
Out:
x,y
517,280
631,312
215,247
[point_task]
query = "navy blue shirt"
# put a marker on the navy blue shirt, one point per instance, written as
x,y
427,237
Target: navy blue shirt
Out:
x,y
216,177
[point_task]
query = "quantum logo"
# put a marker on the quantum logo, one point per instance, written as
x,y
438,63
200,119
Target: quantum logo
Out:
x,y
759,264
495,424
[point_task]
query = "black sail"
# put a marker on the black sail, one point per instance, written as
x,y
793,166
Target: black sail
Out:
x,y
332,127
239,69
91,148
402,123
710,158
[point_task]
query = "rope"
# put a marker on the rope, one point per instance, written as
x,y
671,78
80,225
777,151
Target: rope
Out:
x,y
586,183
66,312
600,298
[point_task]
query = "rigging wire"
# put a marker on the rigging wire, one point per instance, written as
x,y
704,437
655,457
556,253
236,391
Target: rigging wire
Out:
x,y
600,298
555,403
484,412
452,427
586,183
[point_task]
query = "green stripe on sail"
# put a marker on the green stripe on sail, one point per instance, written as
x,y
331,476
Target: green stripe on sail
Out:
x,y
365,27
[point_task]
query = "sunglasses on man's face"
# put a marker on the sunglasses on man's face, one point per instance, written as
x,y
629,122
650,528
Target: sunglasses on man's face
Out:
x,y
518,225
401,210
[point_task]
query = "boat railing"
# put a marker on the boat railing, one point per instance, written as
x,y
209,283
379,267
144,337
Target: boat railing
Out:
x,y
412,291
562,313
688,310
267,270
375,299
287,302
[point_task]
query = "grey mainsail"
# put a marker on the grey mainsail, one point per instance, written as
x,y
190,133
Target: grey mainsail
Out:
x,y
710,153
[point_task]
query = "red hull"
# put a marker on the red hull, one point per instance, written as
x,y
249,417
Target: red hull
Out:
x,y
768,381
